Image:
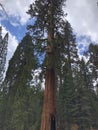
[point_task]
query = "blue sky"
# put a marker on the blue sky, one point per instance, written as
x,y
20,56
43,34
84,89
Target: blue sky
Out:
x,y
17,31
15,27
15,23
82,14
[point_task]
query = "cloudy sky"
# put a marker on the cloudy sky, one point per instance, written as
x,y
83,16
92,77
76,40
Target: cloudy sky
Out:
x,y
82,14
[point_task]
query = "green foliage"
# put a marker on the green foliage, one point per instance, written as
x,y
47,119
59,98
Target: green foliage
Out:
x,y
22,100
47,17
77,100
65,69
3,53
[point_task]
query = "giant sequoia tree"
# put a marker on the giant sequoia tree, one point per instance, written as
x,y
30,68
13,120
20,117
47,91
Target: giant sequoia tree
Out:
x,y
48,21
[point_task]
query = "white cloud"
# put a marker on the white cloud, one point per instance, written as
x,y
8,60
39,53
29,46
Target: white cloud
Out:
x,y
12,44
83,16
18,9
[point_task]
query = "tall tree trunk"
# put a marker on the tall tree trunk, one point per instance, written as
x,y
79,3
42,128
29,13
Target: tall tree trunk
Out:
x,y
49,105
49,109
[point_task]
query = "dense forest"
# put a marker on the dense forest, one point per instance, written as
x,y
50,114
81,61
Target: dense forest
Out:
x,y
47,85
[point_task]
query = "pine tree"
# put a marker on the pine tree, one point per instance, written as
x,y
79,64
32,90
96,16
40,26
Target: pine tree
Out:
x,y
83,103
93,63
85,97
3,53
21,96
68,64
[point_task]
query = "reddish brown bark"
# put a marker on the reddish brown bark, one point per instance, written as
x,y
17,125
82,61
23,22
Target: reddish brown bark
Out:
x,y
49,108
49,104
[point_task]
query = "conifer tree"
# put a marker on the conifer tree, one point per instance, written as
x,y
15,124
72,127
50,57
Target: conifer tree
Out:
x,y
93,64
68,64
3,53
21,96
48,15
83,100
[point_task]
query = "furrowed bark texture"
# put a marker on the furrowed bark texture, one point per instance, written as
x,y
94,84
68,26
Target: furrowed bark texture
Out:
x,y
49,108
49,105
